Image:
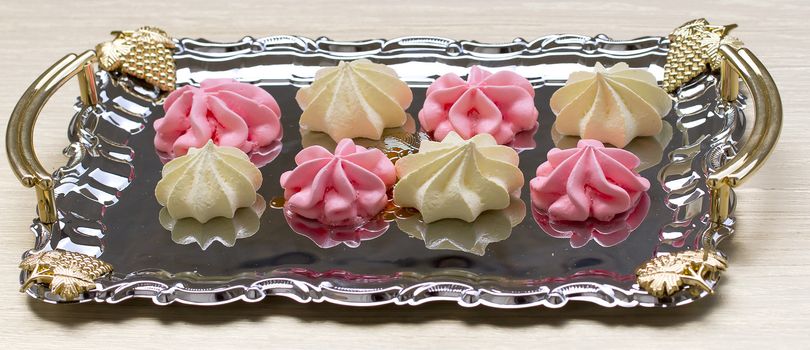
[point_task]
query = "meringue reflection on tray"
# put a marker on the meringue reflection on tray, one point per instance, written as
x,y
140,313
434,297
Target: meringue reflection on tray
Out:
x,y
605,233
469,237
524,140
397,139
245,223
649,149
260,156
328,236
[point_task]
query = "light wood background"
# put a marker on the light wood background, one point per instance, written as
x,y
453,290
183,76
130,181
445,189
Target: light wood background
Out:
x,y
762,300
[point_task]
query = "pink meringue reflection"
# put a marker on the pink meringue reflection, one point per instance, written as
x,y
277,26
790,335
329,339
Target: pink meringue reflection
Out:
x,y
264,155
605,233
328,236
524,140
260,156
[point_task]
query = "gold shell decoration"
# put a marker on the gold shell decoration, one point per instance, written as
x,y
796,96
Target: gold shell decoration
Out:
x,y
68,274
694,48
667,274
146,53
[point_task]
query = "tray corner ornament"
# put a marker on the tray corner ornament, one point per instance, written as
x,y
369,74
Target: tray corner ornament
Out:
x,y
667,275
67,274
695,49
147,53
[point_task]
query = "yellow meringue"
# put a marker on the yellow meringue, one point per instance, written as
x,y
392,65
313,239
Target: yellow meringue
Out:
x,y
458,178
208,182
355,99
610,105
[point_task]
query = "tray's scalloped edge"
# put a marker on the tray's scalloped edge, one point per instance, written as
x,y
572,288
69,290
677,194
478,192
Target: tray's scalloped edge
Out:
x,y
163,288
445,47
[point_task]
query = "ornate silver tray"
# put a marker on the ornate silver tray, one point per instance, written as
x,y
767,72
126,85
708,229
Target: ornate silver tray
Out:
x,y
101,204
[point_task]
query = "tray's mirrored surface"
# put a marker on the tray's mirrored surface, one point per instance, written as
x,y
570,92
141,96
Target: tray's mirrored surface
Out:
x,y
107,206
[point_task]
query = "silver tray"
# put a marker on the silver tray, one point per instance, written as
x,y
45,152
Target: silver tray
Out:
x,y
105,205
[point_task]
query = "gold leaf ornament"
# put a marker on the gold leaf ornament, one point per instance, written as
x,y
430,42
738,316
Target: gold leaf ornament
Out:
x,y
668,274
711,45
693,50
111,53
146,53
67,274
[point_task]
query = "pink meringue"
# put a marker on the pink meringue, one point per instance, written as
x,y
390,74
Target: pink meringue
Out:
x,y
338,189
500,104
223,110
588,181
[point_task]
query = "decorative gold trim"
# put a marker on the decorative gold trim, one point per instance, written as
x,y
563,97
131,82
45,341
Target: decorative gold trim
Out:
x,y
20,130
67,274
145,53
666,275
694,50
764,133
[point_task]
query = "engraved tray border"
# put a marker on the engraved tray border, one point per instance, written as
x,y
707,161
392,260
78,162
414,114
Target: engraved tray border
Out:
x,y
466,289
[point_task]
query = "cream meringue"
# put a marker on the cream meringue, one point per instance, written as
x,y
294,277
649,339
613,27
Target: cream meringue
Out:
x,y
458,178
340,188
355,99
500,104
587,181
208,182
612,106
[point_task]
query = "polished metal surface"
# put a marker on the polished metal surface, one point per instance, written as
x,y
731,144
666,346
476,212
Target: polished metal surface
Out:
x,y
106,205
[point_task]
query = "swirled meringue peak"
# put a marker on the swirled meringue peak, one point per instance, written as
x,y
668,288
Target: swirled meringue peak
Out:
x,y
588,181
610,105
458,178
340,188
499,104
355,99
208,182
225,111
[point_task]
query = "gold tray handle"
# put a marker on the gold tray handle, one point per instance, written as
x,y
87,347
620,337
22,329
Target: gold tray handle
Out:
x,y
741,63
20,129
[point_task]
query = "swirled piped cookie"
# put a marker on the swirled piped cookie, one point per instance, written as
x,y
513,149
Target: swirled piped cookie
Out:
x,y
224,111
208,182
458,178
355,99
500,104
340,188
612,105
587,181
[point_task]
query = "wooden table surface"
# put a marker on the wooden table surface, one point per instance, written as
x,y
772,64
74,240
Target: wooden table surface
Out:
x,y
762,299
